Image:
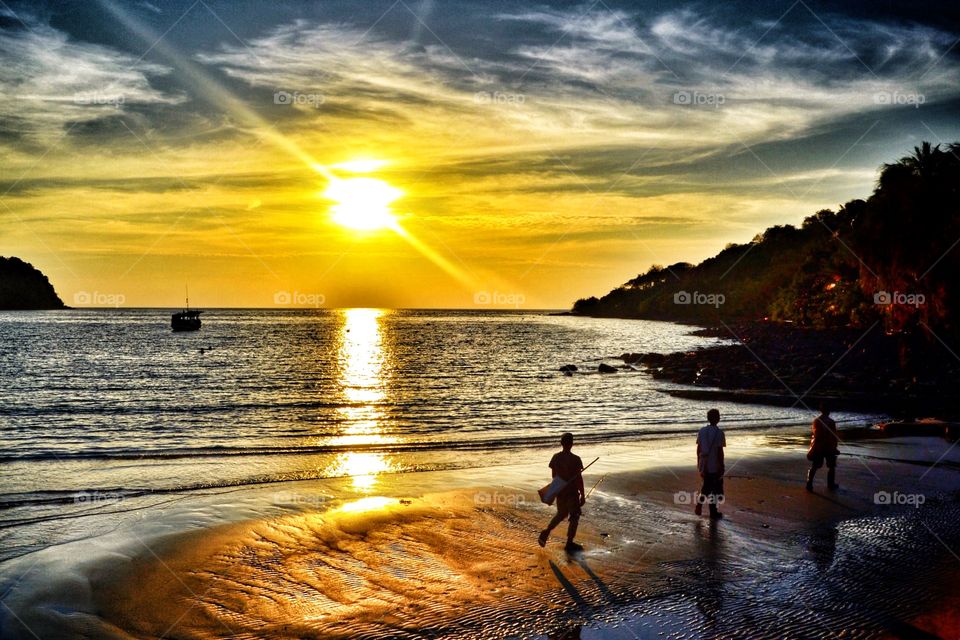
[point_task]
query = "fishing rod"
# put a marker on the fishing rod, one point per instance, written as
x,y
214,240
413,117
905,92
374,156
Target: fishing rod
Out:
x,y
587,467
595,486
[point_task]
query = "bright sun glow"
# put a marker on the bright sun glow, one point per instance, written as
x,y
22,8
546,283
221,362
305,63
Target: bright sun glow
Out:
x,y
362,203
366,504
363,165
363,469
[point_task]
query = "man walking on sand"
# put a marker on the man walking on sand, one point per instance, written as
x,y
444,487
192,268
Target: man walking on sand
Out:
x,y
568,466
823,448
710,443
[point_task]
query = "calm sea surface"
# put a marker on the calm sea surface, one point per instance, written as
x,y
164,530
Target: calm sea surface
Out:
x,y
110,404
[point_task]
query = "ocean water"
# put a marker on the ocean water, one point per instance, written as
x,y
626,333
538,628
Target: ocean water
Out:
x,y
100,406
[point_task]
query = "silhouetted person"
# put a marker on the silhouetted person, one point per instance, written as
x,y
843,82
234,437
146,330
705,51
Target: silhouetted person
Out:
x,y
568,466
710,443
823,448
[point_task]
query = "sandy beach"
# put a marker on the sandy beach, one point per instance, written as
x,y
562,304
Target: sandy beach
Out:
x,y
449,554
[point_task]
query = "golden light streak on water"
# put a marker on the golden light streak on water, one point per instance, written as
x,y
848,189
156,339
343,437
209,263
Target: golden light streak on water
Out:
x,y
361,370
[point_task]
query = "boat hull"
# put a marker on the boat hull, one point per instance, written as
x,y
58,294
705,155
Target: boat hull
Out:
x,y
185,321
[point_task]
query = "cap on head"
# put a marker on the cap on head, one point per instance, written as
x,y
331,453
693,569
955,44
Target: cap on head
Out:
x,y
713,416
824,407
566,440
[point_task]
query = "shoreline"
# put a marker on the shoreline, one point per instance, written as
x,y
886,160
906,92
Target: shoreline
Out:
x,y
785,365
412,559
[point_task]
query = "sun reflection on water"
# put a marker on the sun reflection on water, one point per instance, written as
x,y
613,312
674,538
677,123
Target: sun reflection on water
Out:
x,y
363,468
366,504
361,369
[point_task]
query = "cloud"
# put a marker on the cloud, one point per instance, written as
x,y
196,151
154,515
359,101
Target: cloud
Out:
x,y
582,79
770,80
48,82
554,132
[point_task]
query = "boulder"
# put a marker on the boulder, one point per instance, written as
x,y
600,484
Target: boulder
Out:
x,y
653,359
605,368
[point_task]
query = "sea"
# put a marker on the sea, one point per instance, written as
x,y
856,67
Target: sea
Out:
x,y
107,411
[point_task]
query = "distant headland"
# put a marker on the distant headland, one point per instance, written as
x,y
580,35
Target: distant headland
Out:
x,y
24,287
891,258
858,305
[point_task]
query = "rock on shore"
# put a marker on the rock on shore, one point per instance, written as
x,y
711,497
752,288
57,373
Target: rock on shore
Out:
x,y
854,369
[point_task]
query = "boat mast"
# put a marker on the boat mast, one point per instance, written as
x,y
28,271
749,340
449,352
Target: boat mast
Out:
x,y
186,291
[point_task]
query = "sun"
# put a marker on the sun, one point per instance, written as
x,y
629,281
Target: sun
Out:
x,y
362,203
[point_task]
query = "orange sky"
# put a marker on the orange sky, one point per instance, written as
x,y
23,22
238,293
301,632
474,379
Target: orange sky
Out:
x,y
551,157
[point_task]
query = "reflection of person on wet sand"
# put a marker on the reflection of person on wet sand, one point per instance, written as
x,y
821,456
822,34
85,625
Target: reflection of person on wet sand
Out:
x,y
823,547
568,466
711,580
710,443
823,448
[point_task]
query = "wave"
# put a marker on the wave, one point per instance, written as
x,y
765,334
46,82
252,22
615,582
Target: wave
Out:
x,y
472,444
93,500
98,407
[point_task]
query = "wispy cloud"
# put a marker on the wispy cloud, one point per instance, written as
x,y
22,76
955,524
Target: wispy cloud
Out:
x,y
48,81
602,78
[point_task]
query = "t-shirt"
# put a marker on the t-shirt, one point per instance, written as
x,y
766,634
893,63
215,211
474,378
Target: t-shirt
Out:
x,y
710,443
824,438
567,465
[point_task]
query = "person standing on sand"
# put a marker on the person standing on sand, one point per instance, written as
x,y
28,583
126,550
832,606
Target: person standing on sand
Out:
x,y
568,466
710,443
823,448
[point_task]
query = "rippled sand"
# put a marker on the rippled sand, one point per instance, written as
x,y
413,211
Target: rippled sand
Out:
x,y
361,571
783,564
464,563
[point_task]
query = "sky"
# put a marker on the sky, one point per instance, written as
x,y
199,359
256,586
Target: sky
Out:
x,y
418,153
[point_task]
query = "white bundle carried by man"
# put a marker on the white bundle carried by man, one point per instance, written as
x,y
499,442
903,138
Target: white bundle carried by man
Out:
x,y
550,492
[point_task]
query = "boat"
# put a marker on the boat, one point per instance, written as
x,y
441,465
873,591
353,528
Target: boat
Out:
x,y
186,320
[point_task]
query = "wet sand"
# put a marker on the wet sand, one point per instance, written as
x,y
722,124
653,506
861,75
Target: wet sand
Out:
x,y
465,563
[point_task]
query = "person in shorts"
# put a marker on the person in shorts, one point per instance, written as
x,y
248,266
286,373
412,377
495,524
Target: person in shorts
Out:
x,y
824,442
710,443
571,498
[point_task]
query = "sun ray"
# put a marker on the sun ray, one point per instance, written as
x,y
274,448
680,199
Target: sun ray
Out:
x,y
351,214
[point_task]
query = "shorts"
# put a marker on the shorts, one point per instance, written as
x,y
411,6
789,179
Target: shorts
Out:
x,y
712,490
569,505
819,458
